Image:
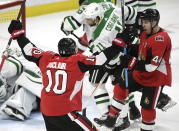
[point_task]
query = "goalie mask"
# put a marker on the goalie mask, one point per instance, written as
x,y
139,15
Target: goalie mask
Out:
x,y
67,47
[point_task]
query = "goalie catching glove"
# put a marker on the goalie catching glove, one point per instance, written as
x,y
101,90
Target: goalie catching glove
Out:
x,y
15,29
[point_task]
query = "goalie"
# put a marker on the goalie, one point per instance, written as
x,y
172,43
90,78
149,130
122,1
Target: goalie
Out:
x,y
16,101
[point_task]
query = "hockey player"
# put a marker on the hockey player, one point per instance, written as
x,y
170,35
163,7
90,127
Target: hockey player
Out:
x,y
17,102
165,102
62,76
101,22
61,95
140,5
151,70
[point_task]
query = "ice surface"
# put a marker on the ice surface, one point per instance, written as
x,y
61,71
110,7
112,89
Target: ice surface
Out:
x,y
44,31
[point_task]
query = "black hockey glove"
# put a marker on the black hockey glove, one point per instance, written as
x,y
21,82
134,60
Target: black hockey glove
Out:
x,y
128,61
132,63
129,34
15,29
119,43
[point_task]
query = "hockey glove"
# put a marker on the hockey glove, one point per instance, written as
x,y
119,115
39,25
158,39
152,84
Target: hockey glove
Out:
x,y
128,61
133,64
119,43
62,27
15,29
128,35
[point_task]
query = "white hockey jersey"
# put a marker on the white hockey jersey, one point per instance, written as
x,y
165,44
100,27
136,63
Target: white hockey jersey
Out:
x,y
108,27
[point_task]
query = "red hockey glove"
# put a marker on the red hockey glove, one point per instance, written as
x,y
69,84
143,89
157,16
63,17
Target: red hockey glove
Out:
x,y
132,63
17,33
15,29
119,42
128,61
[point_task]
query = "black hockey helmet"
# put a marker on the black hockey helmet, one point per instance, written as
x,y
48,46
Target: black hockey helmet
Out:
x,y
151,15
67,47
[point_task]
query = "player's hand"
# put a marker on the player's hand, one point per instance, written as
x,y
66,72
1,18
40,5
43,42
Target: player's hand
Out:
x,y
128,61
119,43
128,35
62,27
15,29
65,31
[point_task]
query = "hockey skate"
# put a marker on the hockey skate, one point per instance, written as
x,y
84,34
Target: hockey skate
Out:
x,y
14,113
134,113
165,102
100,120
121,124
106,120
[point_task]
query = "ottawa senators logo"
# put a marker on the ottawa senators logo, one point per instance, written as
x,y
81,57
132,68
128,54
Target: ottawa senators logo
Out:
x,y
146,101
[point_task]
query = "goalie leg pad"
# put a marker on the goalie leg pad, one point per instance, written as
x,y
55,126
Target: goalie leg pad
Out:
x,y
21,103
31,81
14,65
3,91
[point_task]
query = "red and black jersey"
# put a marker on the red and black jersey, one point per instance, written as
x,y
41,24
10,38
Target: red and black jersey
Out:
x,y
62,82
159,47
62,76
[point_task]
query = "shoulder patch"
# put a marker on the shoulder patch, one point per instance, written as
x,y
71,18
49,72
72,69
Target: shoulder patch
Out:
x,y
159,38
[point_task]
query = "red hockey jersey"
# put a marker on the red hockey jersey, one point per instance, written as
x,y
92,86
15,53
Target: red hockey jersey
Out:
x,y
62,82
160,46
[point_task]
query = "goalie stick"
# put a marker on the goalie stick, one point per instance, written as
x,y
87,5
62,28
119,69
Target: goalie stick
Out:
x,y
5,52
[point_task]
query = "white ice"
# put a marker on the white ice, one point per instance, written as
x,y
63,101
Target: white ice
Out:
x,y
44,31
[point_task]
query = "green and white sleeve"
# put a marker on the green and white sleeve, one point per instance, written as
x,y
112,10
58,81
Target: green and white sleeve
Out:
x,y
141,5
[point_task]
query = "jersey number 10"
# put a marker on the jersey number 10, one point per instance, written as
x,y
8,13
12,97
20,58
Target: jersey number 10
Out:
x,y
57,81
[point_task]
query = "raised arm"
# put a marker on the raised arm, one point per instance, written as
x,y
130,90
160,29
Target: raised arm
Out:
x,y
29,50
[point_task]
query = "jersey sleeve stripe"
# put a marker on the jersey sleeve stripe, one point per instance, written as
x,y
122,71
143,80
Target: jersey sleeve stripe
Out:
x,y
75,21
128,13
71,23
133,13
130,2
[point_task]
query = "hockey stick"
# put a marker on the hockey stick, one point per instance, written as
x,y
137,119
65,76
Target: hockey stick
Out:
x,y
6,53
125,49
83,42
99,85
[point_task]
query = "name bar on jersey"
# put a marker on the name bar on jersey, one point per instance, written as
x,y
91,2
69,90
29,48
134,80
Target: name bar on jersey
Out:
x,y
57,65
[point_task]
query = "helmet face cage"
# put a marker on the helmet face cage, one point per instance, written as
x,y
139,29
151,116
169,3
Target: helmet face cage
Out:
x,y
150,15
66,47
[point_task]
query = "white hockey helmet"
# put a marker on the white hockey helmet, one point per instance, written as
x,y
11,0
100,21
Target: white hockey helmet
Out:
x,y
92,11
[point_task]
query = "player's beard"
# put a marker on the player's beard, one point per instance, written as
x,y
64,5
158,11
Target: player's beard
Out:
x,y
91,25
